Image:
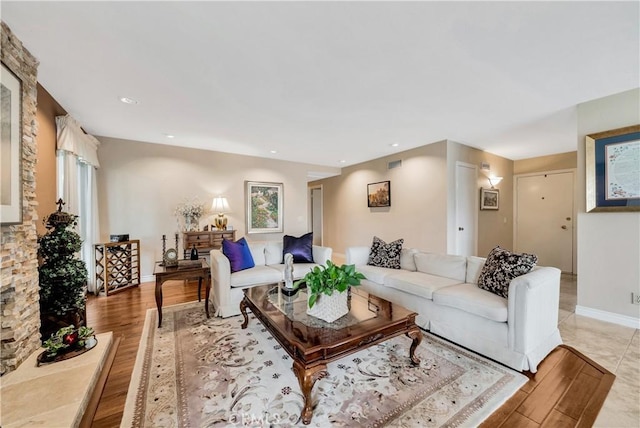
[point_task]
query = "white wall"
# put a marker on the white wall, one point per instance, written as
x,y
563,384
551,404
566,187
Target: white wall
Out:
x,y
422,211
608,242
140,185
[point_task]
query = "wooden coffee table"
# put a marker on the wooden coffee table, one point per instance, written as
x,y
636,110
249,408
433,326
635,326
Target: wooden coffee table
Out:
x,y
312,343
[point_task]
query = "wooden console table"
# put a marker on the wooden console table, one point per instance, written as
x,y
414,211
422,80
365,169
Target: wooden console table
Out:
x,y
205,241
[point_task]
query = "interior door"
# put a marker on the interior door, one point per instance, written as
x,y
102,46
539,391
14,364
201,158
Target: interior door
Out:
x,y
544,218
466,219
316,215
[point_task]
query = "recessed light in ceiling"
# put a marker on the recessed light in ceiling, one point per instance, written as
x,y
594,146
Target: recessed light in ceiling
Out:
x,y
128,100
273,151
343,161
169,136
394,144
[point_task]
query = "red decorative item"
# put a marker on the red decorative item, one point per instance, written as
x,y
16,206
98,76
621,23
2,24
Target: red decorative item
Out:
x,y
70,339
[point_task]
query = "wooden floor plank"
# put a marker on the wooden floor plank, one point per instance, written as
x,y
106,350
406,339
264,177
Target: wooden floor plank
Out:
x,y
124,314
558,419
577,396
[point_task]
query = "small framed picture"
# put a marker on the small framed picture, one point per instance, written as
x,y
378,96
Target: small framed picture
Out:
x,y
489,199
379,194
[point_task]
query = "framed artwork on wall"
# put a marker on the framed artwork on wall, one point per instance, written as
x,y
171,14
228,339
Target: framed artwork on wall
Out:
x,y
613,170
489,199
265,207
10,147
379,194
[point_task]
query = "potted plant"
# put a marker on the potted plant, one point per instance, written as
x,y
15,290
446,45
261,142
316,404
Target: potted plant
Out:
x,y
326,289
63,277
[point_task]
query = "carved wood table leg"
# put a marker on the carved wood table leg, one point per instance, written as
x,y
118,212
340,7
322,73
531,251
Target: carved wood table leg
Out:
x,y
206,296
243,311
307,378
159,300
416,335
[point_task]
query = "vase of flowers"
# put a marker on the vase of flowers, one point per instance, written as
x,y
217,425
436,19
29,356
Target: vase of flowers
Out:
x,y
190,211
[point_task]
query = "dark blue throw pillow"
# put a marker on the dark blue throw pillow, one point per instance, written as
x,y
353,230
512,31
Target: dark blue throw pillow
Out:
x,y
301,248
238,253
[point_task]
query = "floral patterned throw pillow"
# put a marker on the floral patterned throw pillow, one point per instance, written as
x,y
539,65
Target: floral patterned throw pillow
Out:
x,y
385,255
501,267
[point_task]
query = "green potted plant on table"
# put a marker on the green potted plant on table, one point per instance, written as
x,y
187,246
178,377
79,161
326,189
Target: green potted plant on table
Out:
x,y
327,290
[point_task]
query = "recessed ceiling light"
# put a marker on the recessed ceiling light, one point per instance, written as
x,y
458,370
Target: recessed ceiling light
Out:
x,y
343,161
273,151
128,100
169,136
394,144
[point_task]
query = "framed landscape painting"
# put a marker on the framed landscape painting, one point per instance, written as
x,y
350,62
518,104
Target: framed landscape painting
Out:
x,y
613,170
265,204
489,199
379,194
10,147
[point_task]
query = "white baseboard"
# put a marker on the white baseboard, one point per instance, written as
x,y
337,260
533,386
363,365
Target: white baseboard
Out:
x,y
147,278
624,320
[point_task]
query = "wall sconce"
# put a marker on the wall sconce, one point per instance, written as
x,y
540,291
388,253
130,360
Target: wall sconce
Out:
x,y
494,181
221,206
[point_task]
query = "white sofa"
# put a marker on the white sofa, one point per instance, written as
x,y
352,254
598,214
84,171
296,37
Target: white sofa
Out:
x,y
519,331
227,287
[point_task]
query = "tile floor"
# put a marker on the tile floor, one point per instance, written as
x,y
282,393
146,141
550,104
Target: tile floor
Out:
x,y
614,347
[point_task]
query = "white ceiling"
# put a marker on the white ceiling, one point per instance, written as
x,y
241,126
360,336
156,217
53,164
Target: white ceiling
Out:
x,y
322,82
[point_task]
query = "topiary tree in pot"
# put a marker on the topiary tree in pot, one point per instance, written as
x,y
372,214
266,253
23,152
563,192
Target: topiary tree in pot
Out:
x,y
63,277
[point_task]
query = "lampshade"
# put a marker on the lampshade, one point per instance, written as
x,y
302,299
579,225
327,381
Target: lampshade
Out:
x,y
494,181
220,205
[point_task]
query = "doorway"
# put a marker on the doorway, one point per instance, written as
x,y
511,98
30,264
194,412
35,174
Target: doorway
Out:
x,y
545,218
466,235
315,195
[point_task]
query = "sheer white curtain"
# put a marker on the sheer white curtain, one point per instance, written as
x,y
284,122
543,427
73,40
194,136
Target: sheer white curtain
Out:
x,y
77,158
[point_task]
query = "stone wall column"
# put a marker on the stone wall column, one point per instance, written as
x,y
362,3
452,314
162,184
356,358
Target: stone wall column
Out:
x,y
19,289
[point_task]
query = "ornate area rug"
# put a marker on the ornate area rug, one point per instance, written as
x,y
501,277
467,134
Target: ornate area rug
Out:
x,y
195,372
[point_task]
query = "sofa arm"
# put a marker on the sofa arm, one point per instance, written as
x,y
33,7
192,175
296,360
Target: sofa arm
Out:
x,y
533,308
322,254
357,255
220,277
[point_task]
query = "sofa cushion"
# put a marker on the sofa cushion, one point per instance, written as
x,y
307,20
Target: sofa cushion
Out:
x,y
469,298
374,273
501,267
299,247
238,253
407,262
257,252
385,255
418,283
273,253
474,266
446,265
255,276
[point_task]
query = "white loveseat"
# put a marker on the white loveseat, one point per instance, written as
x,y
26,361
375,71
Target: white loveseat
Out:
x,y
227,287
519,331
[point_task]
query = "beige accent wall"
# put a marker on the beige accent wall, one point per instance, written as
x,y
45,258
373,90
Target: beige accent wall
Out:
x,y
608,242
140,185
555,162
422,200
48,109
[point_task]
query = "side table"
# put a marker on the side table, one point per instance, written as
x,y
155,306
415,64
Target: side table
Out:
x,y
165,273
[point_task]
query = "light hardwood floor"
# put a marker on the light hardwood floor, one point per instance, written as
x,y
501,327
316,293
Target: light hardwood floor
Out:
x,y
567,390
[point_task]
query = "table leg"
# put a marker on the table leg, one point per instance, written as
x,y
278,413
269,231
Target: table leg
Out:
x,y
199,288
206,295
307,378
416,335
243,311
159,300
